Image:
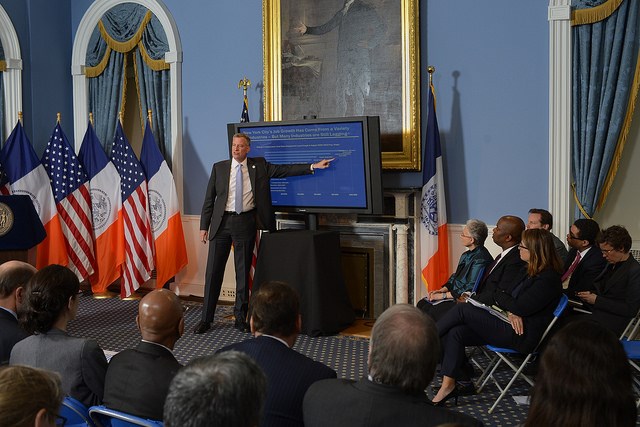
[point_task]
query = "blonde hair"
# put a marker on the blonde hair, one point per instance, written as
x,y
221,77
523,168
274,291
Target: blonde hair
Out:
x,y
24,391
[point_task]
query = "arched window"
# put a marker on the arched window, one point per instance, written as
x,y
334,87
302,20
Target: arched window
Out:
x,y
112,33
10,76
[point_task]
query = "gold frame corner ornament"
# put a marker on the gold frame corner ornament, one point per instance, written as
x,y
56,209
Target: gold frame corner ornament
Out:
x,y
409,159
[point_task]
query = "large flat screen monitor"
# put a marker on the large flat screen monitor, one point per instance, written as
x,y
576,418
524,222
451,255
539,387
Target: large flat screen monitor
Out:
x,y
352,183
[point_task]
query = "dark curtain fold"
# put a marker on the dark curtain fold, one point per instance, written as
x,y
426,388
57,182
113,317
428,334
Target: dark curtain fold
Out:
x,y
1,97
605,56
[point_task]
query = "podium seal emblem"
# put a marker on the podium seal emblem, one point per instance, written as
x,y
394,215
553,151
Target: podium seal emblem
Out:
x,y
6,219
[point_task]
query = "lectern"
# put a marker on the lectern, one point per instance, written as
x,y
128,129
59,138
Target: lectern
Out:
x,y
20,229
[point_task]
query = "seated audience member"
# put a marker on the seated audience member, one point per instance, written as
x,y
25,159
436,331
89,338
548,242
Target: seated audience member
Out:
x,y
138,379
13,277
585,261
29,397
583,380
508,269
403,353
530,308
275,321
541,218
224,390
470,265
616,296
50,302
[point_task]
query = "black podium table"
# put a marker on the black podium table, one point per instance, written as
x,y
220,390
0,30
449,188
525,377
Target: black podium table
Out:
x,y
310,262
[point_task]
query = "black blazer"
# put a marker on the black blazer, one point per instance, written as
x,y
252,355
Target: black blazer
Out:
x,y
137,380
289,375
588,269
510,271
10,334
534,299
367,404
260,173
618,297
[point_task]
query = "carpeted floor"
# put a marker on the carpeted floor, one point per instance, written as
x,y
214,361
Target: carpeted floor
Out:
x,y
112,323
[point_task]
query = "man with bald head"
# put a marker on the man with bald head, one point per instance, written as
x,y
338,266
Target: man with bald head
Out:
x,y
138,379
13,277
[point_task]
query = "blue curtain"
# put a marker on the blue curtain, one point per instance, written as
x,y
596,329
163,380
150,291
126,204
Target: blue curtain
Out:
x,y
605,56
107,55
1,98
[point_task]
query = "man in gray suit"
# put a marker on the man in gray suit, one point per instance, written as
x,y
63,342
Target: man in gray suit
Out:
x,y
237,203
403,353
13,276
138,379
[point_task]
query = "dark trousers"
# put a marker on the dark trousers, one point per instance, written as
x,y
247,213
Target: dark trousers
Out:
x,y
241,231
465,325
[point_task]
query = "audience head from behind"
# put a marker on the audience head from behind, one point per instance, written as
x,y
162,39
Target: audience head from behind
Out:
x,y
540,218
161,318
583,234
508,231
51,299
227,389
14,276
537,249
404,348
29,397
615,244
275,310
583,380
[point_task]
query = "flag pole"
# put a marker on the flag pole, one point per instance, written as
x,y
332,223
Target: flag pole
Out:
x,y
91,118
58,117
149,117
120,118
20,119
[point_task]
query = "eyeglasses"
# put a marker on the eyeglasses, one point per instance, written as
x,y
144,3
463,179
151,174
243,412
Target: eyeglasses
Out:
x,y
572,237
606,251
523,247
60,421
464,235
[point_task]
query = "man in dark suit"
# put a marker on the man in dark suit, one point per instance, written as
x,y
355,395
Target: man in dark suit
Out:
x,y
542,218
403,354
275,321
229,218
13,276
138,379
507,270
585,261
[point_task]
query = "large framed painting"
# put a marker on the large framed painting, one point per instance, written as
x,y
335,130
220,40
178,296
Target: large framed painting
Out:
x,y
343,58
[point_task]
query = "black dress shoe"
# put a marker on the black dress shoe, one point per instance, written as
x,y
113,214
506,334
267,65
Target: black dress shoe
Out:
x,y
241,325
202,327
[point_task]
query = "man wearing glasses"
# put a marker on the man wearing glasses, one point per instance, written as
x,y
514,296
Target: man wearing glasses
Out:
x,y
585,261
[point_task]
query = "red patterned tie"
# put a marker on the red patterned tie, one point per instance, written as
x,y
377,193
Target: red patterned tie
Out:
x,y
572,267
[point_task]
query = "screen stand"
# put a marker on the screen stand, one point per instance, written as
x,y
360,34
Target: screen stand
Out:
x,y
311,221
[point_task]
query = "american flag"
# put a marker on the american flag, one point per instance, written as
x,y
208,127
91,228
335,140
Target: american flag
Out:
x,y
70,186
138,262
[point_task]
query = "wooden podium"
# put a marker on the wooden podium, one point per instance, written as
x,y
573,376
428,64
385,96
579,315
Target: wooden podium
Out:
x,y
20,229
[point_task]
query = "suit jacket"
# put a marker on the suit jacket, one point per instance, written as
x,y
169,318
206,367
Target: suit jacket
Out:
x,y
509,272
10,334
79,361
260,173
618,290
138,379
561,248
365,403
588,269
289,375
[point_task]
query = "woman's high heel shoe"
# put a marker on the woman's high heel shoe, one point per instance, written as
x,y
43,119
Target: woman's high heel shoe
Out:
x,y
455,393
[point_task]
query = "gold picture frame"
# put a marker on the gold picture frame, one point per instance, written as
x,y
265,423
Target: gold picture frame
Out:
x,y
392,89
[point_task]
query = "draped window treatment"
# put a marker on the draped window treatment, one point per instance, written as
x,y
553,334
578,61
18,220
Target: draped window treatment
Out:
x,y
125,28
606,77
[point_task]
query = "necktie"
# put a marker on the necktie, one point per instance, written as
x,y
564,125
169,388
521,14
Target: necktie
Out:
x,y
491,267
572,267
239,189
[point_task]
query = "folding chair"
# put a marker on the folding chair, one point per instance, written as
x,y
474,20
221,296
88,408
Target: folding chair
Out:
x,y
632,348
632,328
75,413
502,355
106,417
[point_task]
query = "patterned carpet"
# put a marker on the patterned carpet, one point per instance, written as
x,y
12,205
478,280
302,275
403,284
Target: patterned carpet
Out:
x,y
112,323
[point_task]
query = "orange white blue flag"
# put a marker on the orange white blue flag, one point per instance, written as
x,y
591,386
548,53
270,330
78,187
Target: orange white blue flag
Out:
x,y
434,239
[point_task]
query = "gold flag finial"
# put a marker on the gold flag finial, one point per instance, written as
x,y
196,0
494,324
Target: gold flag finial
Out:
x,y
149,117
431,69
58,117
244,84
91,118
20,118
121,118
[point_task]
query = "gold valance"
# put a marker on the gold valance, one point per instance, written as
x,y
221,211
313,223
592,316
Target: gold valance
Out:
x,y
594,14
